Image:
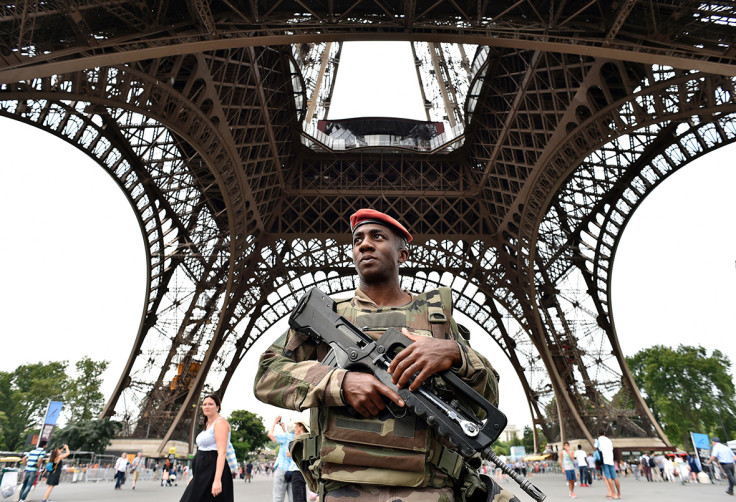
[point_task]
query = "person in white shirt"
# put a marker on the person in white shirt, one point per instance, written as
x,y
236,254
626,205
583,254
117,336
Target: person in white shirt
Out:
x,y
669,470
136,467
582,464
567,463
605,445
725,457
683,469
121,465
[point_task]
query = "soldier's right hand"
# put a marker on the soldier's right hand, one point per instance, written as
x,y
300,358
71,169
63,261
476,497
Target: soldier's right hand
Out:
x,y
365,393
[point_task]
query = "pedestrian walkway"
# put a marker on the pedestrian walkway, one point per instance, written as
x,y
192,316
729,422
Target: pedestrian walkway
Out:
x,y
554,485
556,489
145,491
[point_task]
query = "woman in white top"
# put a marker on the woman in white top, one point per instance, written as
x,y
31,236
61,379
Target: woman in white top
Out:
x,y
211,477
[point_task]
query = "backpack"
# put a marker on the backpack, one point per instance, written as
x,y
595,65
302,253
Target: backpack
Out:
x,y
49,467
652,463
598,457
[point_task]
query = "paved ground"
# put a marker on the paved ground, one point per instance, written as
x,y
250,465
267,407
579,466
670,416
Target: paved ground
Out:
x,y
260,490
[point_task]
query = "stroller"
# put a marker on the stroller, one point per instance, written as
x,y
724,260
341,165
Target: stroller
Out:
x,y
172,477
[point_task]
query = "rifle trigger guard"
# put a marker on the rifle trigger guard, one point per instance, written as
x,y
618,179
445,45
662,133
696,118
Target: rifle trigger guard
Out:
x,y
396,410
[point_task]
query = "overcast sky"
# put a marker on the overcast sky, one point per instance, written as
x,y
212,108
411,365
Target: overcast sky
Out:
x,y
72,263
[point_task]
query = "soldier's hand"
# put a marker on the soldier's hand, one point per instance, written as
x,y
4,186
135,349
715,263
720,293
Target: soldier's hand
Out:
x,y
423,358
365,393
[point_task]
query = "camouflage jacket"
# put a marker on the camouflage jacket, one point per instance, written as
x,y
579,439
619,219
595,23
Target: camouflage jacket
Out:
x,y
379,450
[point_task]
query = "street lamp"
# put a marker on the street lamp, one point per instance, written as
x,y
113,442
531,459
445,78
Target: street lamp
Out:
x,y
194,423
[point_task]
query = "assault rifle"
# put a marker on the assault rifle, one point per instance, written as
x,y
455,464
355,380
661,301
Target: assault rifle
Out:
x,y
350,348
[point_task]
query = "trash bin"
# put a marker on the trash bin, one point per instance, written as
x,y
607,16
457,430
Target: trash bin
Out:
x,y
9,480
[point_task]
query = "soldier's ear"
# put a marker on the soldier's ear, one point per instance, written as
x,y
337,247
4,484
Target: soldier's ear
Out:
x,y
403,255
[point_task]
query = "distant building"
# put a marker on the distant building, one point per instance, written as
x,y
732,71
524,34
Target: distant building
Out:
x,y
509,433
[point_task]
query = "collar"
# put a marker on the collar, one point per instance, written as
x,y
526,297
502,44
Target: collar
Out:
x,y
362,300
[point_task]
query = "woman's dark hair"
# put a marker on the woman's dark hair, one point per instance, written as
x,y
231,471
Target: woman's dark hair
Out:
x,y
54,455
217,401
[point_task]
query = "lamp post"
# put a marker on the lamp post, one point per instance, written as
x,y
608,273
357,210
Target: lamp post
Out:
x,y
194,423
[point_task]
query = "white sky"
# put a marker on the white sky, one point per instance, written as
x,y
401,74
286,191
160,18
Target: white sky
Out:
x,y
72,263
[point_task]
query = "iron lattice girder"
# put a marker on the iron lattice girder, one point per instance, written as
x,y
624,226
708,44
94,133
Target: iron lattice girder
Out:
x,y
663,32
503,214
291,264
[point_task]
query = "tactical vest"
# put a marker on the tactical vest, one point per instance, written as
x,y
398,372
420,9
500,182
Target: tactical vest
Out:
x,y
382,450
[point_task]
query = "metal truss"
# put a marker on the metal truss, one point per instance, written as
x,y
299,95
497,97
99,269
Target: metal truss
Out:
x,y
571,114
682,33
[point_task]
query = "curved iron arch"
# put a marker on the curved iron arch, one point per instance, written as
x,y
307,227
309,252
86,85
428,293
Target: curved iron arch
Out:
x,y
606,226
160,255
573,253
31,49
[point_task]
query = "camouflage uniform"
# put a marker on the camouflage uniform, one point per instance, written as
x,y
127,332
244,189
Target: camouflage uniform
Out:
x,y
381,458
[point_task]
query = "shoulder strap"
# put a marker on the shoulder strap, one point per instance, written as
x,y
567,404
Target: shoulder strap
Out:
x,y
212,426
439,304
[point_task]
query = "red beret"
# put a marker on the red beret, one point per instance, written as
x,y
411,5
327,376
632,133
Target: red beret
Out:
x,y
363,216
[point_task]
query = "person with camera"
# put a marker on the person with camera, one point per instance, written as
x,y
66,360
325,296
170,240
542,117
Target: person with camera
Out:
x,y
282,468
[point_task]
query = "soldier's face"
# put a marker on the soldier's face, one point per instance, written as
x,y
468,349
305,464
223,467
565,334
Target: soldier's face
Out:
x,y
377,253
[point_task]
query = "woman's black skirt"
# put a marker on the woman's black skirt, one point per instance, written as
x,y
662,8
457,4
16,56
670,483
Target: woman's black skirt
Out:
x,y
200,488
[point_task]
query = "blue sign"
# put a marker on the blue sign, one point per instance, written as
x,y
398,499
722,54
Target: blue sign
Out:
x,y
701,443
52,414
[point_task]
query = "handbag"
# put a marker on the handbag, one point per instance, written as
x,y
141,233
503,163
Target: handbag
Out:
x,y
232,460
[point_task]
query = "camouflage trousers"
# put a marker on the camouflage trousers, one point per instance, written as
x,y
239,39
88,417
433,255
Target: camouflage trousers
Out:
x,y
372,493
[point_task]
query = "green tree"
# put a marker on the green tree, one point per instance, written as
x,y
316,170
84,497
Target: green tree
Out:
x,y
24,396
6,404
527,440
247,432
685,388
83,400
87,435
3,428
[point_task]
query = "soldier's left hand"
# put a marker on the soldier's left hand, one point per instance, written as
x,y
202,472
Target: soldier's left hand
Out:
x,y
423,358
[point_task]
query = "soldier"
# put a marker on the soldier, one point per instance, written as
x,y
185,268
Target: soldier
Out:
x,y
359,449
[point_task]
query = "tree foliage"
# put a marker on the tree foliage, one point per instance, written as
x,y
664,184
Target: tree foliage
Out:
x,y
84,401
87,435
527,440
686,389
24,396
247,432
26,391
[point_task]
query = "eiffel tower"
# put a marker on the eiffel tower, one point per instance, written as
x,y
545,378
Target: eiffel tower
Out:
x,y
547,125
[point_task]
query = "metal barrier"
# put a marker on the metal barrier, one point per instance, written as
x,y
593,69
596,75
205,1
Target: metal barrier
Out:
x,y
95,475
